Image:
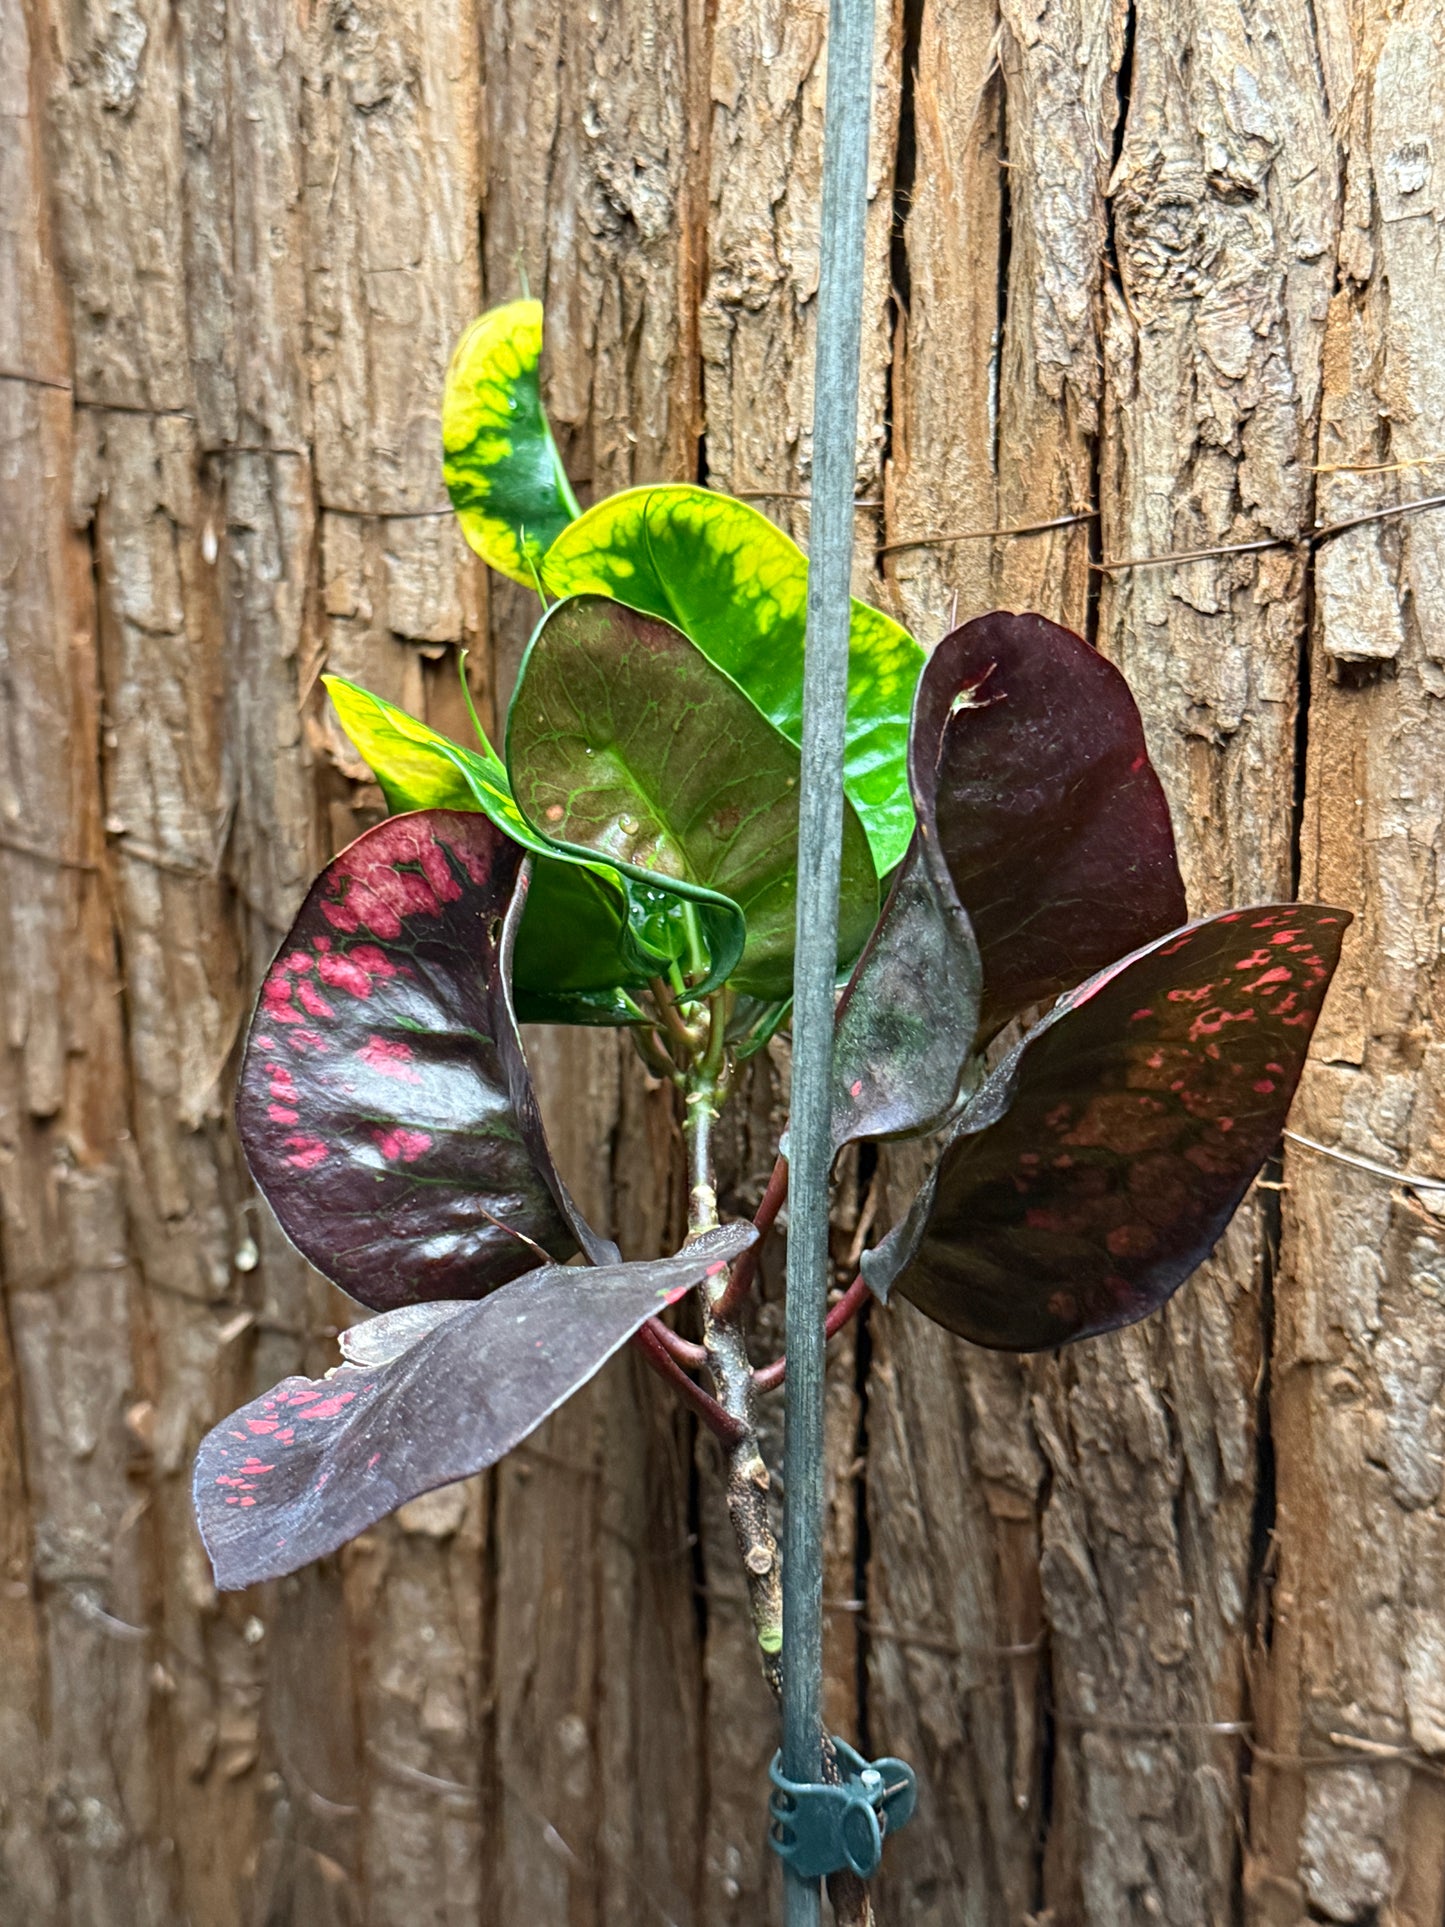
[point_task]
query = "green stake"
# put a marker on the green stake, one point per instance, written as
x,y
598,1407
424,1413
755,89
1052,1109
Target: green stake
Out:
x,y
825,694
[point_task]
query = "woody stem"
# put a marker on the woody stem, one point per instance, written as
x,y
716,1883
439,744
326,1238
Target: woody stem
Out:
x,y
732,1377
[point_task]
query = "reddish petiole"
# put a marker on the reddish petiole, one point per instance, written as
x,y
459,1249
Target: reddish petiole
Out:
x,y
846,1308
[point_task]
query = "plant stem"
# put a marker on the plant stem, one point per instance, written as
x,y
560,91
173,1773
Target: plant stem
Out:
x,y
732,1376
678,1347
726,1429
747,1492
736,1386
653,1052
682,1040
663,1349
847,1307
746,1268
701,1194
851,1905
697,955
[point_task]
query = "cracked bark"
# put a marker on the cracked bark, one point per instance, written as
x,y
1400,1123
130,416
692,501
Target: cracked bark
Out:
x,y
1161,260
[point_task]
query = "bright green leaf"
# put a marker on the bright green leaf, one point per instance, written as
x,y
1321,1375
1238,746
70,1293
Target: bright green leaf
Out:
x,y
624,741
737,587
500,462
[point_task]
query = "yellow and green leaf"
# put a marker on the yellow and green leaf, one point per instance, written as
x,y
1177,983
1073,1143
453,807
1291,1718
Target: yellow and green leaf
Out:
x,y
501,465
737,587
420,769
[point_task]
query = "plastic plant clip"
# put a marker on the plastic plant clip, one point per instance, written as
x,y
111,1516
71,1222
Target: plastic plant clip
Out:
x,y
819,1830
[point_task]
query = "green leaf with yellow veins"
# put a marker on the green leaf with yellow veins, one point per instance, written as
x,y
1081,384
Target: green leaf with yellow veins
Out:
x,y
501,465
624,741
737,587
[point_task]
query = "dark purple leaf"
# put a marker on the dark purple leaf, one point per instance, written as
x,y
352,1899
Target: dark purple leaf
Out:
x,y
1028,762
298,1472
1102,1160
384,1104
906,1022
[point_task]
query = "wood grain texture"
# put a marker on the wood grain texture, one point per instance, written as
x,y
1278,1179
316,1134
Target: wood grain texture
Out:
x,y
942,473
1221,204
1159,1621
1348,1818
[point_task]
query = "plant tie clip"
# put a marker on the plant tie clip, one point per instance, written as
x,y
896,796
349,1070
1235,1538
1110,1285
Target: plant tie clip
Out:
x,y
820,1829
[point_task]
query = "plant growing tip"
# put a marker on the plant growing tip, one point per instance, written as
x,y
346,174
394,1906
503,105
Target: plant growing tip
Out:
x,y
737,587
625,743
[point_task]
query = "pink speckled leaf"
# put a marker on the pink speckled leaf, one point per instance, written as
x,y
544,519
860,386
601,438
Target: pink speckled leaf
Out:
x,y
1103,1158
298,1472
1029,768
384,1104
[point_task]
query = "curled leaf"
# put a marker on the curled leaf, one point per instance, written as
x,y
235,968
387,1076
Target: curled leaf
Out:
x,y
588,932
420,769
1029,767
304,1468
1099,1164
737,587
384,1105
625,742
376,1341
905,1024
501,465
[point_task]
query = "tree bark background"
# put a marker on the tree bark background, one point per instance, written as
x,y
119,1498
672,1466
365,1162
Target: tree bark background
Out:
x,y
1160,1621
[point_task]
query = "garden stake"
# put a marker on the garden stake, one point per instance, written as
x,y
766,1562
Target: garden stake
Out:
x,y
825,696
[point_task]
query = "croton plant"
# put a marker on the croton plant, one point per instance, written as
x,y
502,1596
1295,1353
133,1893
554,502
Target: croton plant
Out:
x,y
629,858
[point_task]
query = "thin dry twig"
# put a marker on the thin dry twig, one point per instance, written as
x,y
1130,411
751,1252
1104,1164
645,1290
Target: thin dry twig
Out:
x,y
1117,564
1376,468
35,381
786,495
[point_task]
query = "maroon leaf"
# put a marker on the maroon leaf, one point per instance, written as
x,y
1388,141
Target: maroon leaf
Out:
x,y
298,1472
1101,1161
906,1022
1028,763
384,1104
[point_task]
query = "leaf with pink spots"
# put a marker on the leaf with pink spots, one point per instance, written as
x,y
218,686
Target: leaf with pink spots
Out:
x,y
299,1471
1031,777
1099,1164
384,1104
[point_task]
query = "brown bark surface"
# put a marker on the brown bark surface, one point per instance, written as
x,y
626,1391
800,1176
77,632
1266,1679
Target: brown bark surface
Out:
x,y
1159,1622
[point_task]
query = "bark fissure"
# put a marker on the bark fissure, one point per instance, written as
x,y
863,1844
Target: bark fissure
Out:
x,y
1001,277
905,169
